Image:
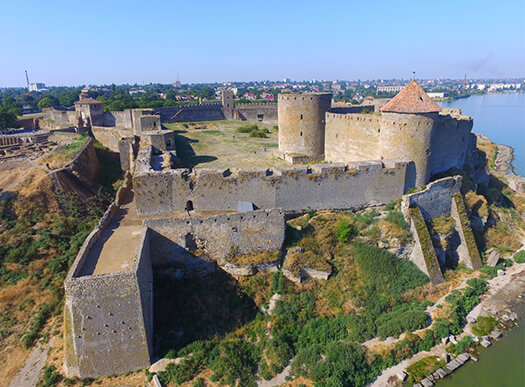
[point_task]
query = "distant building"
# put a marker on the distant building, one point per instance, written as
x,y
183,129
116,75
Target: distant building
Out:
x,y
438,95
389,89
37,87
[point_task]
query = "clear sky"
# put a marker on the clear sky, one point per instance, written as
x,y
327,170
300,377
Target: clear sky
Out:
x,y
78,42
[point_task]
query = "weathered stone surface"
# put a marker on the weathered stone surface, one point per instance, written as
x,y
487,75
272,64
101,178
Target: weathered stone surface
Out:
x,y
426,383
493,258
161,364
501,272
496,334
441,372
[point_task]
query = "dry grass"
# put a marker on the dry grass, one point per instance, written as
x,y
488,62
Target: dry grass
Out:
x,y
476,204
218,145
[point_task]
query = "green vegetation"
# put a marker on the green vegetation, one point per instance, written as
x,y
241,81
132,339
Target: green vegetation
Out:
x,y
484,325
425,240
396,218
9,110
462,345
424,367
519,257
467,230
254,131
50,378
344,231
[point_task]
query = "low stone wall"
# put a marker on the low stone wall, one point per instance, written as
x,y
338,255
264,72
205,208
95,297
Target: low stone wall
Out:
x,y
435,200
216,237
321,186
85,162
262,112
110,136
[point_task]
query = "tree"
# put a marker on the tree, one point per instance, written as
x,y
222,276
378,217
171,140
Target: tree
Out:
x,y
7,119
47,102
207,92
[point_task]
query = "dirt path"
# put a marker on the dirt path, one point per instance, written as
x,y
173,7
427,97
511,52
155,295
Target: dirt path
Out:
x,y
29,375
277,380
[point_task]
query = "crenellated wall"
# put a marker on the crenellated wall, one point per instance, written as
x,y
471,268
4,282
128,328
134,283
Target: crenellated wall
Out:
x,y
320,186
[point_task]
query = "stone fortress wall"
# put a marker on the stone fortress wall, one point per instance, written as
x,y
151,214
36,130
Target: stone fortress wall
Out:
x,y
374,159
433,142
320,186
198,243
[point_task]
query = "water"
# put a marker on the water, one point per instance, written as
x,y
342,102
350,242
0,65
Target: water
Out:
x,y
502,365
501,117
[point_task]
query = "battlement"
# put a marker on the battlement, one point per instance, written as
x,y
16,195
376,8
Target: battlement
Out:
x,y
361,117
318,186
255,105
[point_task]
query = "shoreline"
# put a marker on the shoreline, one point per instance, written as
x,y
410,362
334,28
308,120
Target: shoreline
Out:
x,y
503,294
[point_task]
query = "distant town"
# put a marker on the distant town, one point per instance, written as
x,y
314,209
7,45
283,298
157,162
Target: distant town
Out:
x,y
118,97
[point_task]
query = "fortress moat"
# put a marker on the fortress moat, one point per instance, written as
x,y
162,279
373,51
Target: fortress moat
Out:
x,y
198,196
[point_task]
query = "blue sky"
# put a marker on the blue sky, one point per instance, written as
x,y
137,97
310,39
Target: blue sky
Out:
x,y
95,42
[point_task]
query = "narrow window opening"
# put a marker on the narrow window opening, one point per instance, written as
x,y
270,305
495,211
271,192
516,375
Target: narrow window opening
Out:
x,y
189,206
301,134
301,116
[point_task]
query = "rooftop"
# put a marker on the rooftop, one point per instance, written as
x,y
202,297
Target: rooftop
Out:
x,y
412,99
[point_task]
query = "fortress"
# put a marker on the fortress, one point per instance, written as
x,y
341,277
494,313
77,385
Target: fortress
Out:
x,y
196,219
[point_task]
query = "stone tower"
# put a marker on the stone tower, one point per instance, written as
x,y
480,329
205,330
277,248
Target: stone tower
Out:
x,y
302,123
407,125
89,111
227,103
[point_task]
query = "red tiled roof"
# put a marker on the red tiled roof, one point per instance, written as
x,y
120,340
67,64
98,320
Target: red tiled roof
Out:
x,y
89,101
412,99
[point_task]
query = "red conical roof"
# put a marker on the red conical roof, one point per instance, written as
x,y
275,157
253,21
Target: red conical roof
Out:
x,y
412,99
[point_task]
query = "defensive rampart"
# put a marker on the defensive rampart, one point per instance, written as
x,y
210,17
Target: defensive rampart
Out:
x,y
188,113
217,236
262,112
108,316
320,186
85,163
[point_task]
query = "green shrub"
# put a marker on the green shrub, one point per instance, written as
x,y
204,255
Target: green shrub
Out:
x,y
461,346
484,325
247,128
344,231
332,364
258,134
519,257
424,367
50,377
397,218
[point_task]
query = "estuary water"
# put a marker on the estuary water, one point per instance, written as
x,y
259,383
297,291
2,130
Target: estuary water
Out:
x,y
502,365
501,117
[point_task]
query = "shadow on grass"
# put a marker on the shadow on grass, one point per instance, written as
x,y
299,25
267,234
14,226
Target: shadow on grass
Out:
x,y
186,310
185,152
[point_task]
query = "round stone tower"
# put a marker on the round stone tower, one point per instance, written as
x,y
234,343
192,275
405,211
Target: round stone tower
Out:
x,y
408,122
302,123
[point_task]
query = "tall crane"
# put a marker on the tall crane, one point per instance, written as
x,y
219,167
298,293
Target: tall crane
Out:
x,y
27,79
